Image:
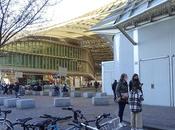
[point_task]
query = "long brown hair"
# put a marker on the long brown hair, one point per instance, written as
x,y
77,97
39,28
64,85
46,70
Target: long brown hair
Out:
x,y
136,83
122,77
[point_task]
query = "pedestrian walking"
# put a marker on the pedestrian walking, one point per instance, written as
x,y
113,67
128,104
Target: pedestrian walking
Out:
x,y
122,97
114,87
135,102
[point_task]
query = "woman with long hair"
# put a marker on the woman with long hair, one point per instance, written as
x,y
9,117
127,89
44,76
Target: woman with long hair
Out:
x,y
122,96
135,102
135,82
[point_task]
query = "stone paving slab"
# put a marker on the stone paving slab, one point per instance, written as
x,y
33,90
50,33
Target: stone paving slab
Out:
x,y
159,117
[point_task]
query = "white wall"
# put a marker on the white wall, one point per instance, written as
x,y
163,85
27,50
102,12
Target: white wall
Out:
x,y
157,41
108,76
153,58
124,55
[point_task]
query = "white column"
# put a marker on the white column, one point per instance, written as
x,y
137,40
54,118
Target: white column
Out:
x,y
136,52
116,46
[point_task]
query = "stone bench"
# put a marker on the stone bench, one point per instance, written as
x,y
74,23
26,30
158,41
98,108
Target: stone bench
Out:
x,y
28,92
10,102
76,94
62,102
25,103
101,94
100,101
88,94
44,93
2,100
36,93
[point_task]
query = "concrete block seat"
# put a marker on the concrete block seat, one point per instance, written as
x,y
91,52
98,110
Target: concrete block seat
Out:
x,y
25,103
88,94
76,94
2,100
36,93
100,101
44,93
28,92
62,102
11,102
101,94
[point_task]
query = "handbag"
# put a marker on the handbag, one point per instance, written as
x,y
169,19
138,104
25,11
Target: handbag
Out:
x,y
125,96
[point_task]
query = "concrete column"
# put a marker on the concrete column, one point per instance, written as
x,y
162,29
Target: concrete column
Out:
x,y
116,46
123,55
136,52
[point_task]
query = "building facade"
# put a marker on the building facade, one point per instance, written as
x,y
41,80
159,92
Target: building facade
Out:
x,y
37,59
145,45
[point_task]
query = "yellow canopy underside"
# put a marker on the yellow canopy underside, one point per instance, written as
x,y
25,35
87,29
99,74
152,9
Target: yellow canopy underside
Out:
x,y
77,30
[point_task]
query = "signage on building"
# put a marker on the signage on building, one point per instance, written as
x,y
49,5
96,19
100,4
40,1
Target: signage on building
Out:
x,y
62,71
18,74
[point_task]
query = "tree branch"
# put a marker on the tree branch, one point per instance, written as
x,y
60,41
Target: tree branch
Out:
x,y
3,17
13,21
14,31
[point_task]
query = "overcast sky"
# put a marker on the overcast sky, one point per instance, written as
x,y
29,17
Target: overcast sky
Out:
x,y
69,9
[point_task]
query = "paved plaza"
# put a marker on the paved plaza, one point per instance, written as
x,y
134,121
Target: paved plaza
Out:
x,y
156,117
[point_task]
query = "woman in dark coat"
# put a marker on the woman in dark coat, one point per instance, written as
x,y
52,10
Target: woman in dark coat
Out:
x,y
135,82
122,94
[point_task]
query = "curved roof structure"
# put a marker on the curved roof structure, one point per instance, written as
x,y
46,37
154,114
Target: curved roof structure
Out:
x,y
76,31
137,13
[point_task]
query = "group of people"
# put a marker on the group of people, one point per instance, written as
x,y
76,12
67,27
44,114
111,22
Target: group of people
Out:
x,y
9,88
64,90
131,94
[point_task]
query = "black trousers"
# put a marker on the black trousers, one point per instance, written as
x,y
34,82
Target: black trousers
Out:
x,y
121,110
114,92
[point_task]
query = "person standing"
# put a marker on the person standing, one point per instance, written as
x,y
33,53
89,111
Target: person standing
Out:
x,y
114,86
65,91
56,89
122,97
96,84
5,89
16,89
135,102
135,79
11,89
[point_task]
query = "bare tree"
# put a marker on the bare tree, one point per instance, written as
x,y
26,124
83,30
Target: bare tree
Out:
x,y
16,15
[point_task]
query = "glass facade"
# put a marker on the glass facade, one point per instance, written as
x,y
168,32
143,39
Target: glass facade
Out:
x,y
47,56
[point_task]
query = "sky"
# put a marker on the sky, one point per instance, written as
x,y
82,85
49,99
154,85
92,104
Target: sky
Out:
x,y
69,9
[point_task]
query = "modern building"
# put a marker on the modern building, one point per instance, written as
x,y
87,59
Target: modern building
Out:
x,y
143,36
37,59
67,49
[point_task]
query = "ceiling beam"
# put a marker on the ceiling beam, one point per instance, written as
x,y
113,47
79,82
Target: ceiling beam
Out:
x,y
126,35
